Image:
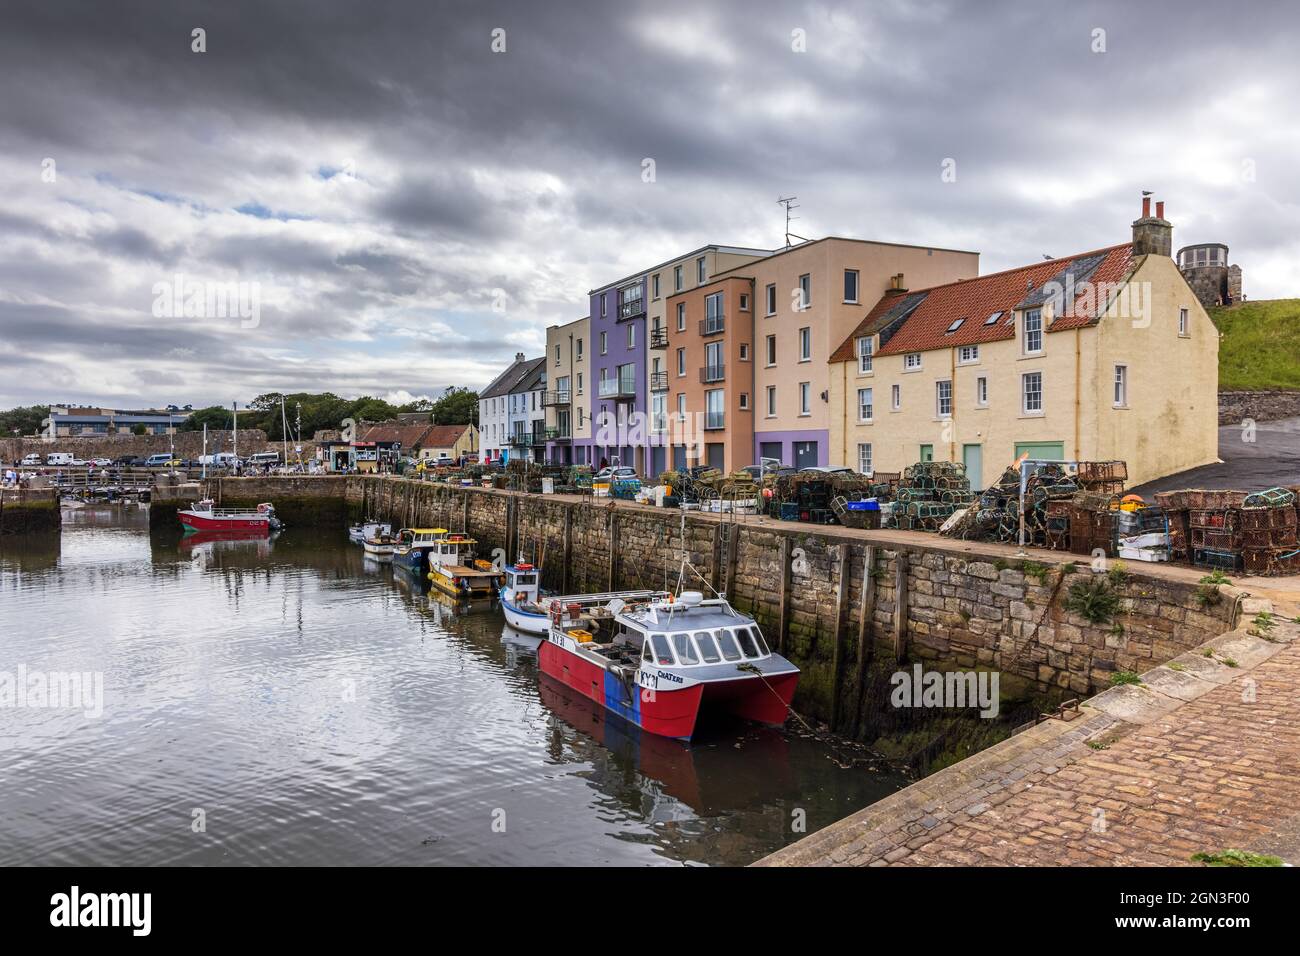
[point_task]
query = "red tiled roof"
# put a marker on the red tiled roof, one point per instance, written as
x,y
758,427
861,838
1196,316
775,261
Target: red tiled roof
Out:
x,y
443,436
410,436
933,311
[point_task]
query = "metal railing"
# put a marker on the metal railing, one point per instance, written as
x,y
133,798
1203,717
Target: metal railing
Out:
x,y
624,386
659,338
713,373
713,324
658,381
715,420
630,308
558,397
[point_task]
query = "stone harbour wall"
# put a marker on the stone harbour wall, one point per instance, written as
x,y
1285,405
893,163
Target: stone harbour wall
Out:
x,y
1265,406
188,445
30,511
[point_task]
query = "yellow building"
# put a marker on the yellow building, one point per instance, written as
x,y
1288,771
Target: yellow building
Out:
x,y
1099,356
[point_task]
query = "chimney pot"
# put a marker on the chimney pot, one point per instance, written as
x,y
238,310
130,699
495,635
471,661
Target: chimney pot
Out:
x,y
1146,207
1160,209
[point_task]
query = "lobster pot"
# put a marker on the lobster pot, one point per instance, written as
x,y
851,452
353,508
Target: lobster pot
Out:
x,y
1057,531
1270,561
1092,531
1217,559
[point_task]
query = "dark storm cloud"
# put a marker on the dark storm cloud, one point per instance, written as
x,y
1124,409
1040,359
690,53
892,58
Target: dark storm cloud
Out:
x,y
380,172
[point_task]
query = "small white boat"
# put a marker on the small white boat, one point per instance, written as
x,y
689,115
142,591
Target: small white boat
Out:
x,y
520,600
379,546
368,529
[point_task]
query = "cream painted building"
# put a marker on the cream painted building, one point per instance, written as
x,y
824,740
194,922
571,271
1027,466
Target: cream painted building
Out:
x,y
1101,356
567,399
809,297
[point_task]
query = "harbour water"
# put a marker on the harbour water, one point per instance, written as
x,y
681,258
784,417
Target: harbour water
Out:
x,y
291,702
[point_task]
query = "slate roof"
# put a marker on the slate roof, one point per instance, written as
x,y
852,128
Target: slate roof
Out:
x,y
508,381
921,320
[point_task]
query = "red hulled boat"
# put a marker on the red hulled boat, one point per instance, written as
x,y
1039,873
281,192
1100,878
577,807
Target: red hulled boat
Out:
x,y
204,516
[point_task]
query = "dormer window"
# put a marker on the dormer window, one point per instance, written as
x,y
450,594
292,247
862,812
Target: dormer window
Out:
x,y
954,327
1032,334
864,354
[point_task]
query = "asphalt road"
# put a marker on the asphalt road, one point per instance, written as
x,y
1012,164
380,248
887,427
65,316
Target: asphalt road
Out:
x,y
1272,459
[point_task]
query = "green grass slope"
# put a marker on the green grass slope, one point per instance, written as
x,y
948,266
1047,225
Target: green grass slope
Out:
x,y
1260,347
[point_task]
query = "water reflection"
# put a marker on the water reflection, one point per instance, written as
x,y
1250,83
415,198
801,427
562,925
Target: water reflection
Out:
x,y
325,709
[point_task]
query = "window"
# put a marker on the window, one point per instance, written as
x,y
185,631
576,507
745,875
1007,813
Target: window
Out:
x,y
896,397
713,315
805,398
557,355
602,305
1121,386
685,649
805,344
771,401
579,383
992,319
654,285
744,351
715,408
1182,321
864,405
771,299
677,278
681,316
864,355
708,649
771,350
713,360
604,342
579,350
982,390
701,273
663,652
954,327
744,401
851,286
744,302
631,336
943,398
747,646
805,292
1031,390
864,458
681,362
911,361
968,354
728,644
1033,337
681,405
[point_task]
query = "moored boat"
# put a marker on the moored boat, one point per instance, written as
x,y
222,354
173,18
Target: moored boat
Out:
x,y
521,601
660,660
369,529
205,516
379,545
451,570
411,550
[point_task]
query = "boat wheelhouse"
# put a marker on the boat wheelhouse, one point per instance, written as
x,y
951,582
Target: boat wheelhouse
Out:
x,y
379,545
369,529
454,570
411,550
660,660
521,600
205,516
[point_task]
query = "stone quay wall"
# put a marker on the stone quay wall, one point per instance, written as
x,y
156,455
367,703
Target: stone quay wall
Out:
x,y
1264,406
188,445
30,511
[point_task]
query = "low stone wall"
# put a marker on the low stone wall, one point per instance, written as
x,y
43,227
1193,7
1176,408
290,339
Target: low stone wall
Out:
x,y
812,591
303,500
30,512
1268,406
188,445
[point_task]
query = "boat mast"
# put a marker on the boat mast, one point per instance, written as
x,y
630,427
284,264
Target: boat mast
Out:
x,y
234,418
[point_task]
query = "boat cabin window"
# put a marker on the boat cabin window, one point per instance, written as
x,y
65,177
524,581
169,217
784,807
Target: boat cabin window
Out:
x,y
728,645
524,580
663,652
763,649
647,653
708,649
747,645
685,649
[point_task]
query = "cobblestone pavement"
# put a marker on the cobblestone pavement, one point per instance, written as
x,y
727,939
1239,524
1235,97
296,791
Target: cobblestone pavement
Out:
x,y
1204,756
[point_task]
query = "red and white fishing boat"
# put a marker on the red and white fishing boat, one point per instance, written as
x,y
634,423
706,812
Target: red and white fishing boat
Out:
x,y
659,660
205,516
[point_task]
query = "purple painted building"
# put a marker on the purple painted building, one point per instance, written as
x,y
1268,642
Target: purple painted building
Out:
x,y
618,362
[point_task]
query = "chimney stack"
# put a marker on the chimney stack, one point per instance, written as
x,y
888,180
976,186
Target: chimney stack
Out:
x,y
519,356
1153,235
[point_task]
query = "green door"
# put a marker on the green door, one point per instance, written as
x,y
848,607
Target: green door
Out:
x,y
972,457
1048,450
927,453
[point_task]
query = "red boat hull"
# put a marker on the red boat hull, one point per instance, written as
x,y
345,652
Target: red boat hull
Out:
x,y
670,713
197,521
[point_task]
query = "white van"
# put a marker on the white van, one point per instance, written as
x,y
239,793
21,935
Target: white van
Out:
x,y
33,459
264,458
162,460
222,459
58,458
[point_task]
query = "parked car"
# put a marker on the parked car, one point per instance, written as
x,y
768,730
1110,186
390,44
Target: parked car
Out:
x,y
32,459
99,462
162,460
128,461
613,473
758,471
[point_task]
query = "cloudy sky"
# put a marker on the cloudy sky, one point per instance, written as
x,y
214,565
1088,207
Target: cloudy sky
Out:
x,y
412,208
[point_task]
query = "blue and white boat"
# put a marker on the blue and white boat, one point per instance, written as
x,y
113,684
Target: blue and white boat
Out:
x,y
521,600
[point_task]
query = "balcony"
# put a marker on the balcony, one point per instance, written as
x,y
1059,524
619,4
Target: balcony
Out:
x,y
658,381
713,324
622,387
713,421
558,434
551,399
713,373
519,439
631,308
659,338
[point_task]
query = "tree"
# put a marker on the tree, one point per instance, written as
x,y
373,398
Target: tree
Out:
x,y
216,417
139,429
27,420
456,406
